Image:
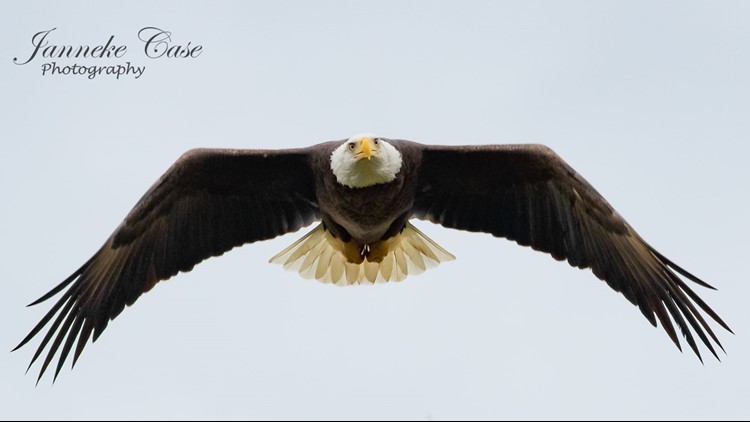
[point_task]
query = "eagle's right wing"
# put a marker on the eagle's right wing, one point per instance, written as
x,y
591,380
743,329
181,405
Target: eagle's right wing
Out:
x,y
208,202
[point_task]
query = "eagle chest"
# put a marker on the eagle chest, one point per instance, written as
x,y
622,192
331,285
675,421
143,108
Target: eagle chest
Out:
x,y
371,206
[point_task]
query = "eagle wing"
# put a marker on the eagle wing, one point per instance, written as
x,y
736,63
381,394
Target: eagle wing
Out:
x,y
207,203
528,194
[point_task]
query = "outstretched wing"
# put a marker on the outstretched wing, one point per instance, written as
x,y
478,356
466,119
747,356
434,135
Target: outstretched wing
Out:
x,y
528,194
208,202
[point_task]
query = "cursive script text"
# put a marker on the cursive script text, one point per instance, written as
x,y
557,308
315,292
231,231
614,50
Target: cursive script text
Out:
x,y
158,45
40,43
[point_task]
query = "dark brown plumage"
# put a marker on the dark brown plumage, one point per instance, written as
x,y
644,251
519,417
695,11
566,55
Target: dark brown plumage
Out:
x,y
210,201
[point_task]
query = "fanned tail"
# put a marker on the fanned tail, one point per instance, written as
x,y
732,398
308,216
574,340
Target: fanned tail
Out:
x,y
320,256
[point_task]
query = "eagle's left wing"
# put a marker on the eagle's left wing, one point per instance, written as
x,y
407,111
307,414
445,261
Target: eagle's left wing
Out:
x,y
528,194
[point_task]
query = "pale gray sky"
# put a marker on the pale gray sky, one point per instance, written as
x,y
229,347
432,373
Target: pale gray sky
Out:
x,y
647,100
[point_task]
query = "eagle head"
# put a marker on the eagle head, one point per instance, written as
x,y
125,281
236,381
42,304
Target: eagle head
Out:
x,y
365,160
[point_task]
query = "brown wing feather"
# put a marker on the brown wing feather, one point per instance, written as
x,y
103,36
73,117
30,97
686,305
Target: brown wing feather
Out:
x,y
208,202
528,194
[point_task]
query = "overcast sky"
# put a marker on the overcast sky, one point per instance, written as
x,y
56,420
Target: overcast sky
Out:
x,y
649,101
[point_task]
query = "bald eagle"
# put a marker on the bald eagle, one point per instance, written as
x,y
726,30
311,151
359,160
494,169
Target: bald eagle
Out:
x,y
364,191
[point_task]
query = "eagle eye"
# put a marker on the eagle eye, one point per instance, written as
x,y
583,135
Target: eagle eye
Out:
x,y
351,146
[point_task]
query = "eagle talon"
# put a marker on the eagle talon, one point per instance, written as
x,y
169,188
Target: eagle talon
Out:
x,y
378,251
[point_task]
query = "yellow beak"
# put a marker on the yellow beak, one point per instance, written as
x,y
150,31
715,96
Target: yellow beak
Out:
x,y
366,148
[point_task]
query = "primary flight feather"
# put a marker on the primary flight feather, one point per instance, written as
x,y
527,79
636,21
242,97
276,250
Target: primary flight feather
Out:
x,y
364,190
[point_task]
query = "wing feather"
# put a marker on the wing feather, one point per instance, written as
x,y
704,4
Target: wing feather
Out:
x,y
208,202
528,194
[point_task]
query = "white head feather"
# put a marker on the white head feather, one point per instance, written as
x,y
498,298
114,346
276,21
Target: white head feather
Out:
x,y
356,172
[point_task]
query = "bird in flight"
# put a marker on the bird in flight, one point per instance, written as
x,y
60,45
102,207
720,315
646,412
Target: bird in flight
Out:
x,y
364,191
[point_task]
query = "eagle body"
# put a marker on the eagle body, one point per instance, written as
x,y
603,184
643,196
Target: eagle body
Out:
x,y
364,191
368,214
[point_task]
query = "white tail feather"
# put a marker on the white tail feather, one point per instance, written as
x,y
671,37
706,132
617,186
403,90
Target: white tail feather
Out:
x,y
318,255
